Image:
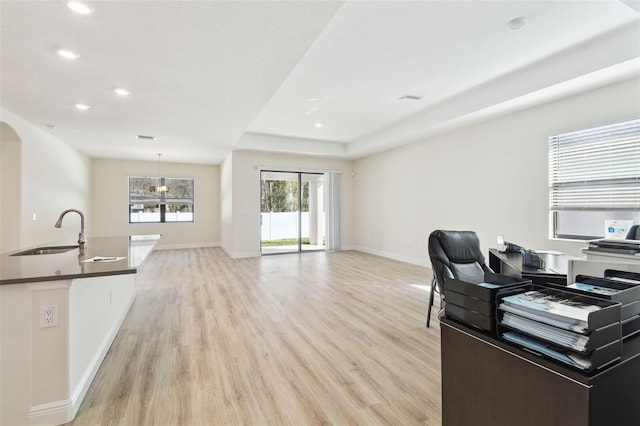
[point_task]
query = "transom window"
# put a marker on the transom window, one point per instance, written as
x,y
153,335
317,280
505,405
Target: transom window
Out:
x,y
160,199
594,181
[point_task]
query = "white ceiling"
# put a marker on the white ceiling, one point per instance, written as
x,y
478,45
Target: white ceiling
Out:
x,y
208,77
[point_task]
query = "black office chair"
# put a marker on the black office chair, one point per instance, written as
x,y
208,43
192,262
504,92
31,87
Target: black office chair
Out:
x,y
454,254
634,233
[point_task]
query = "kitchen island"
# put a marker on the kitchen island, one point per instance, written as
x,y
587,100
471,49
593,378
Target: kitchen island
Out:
x,y
59,315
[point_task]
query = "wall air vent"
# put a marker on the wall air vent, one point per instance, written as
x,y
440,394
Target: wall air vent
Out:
x,y
146,138
410,98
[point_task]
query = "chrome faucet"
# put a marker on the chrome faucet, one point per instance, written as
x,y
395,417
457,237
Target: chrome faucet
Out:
x,y
81,239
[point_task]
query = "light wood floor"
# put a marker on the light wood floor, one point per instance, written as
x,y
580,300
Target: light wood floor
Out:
x,y
300,339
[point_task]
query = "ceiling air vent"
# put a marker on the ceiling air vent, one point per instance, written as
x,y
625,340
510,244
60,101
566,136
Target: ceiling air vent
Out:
x,y
146,138
410,98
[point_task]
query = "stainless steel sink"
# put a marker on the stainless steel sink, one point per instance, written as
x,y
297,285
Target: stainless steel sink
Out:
x,y
45,250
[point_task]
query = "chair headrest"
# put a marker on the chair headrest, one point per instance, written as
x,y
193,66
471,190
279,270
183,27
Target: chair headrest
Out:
x,y
455,246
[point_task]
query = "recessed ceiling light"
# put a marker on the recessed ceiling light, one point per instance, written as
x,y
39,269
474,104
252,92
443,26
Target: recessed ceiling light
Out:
x,y
318,125
83,106
68,54
146,138
122,92
80,7
516,24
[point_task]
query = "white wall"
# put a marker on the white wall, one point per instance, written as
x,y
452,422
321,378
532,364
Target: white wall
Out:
x,y
490,177
226,202
111,202
54,177
245,172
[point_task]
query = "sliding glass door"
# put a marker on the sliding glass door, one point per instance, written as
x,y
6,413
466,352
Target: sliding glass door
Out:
x,y
292,212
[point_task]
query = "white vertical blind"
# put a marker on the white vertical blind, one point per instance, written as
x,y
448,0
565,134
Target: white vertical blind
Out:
x,y
332,211
596,169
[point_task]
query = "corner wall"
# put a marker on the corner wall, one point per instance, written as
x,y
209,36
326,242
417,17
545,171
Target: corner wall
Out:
x,y
10,184
491,177
226,204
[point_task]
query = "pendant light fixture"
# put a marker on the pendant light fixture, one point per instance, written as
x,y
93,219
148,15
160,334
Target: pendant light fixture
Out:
x,y
161,188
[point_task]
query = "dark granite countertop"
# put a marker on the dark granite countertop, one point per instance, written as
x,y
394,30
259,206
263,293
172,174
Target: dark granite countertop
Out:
x,y
70,265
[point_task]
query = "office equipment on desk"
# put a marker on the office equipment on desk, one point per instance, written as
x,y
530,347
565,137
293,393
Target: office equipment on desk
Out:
x,y
617,228
620,268
597,262
609,287
622,276
601,357
613,287
511,264
531,259
582,331
474,303
507,247
562,309
631,247
576,342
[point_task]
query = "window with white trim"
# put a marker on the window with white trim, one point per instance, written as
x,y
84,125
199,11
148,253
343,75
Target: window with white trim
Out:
x,y
160,199
594,180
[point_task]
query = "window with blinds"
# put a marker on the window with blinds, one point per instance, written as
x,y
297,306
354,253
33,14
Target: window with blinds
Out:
x,y
594,177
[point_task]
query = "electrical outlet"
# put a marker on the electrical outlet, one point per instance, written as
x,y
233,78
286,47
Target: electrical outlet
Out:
x,y
48,316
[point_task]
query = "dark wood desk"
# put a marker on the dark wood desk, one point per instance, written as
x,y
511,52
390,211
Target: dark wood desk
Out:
x,y
486,381
511,264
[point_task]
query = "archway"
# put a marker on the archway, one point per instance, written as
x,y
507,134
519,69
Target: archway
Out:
x,y
10,188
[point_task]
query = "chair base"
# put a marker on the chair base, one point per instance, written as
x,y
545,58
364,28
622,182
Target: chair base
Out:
x,y
431,298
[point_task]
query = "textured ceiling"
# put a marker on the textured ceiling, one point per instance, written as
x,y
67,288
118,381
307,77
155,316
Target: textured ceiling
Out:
x,y
208,77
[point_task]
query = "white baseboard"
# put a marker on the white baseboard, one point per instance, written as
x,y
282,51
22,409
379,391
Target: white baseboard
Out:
x,y
241,255
394,256
232,255
52,413
185,246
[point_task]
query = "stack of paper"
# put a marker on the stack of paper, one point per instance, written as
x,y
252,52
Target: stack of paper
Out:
x,y
594,289
548,308
538,346
568,339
